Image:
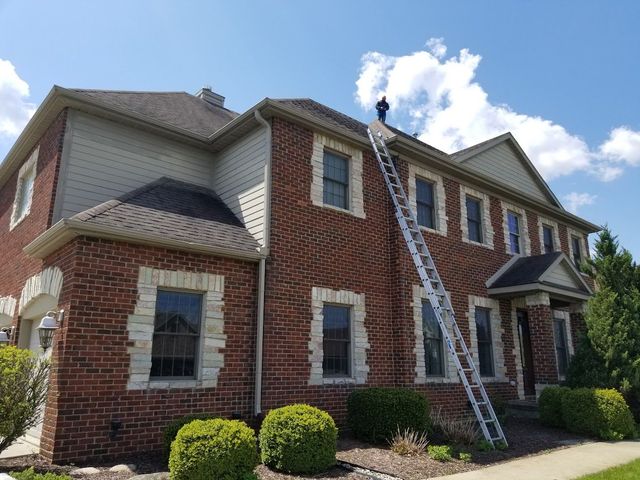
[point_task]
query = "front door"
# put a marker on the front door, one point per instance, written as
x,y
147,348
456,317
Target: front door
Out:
x,y
526,354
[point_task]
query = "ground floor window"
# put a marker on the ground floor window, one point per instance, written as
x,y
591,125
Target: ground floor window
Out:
x,y
560,339
485,344
433,343
336,334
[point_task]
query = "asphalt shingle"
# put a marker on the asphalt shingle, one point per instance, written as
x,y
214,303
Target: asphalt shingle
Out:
x,y
526,270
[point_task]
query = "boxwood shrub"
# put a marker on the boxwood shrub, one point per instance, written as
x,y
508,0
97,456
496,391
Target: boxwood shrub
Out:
x,y
220,449
171,430
599,412
550,406
375,414
31,474
298,439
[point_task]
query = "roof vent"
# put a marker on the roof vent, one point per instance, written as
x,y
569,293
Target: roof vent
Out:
x,y
209,96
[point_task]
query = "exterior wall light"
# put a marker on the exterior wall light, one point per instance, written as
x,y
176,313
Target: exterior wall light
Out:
x,y
5,335
47,328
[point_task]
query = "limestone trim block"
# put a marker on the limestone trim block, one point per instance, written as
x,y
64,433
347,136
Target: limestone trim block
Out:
x,y
440,210
7,310
540,298
47,282
487,228
497,332
525,240
356,196
140,326
450,372
359,338
28,169
518,303
556,233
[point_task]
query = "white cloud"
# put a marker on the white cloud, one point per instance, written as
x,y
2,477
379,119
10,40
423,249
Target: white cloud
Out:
x,y
15,111
438,98
574,200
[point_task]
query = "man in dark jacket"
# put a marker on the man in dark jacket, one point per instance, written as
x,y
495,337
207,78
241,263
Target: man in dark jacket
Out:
x,y
382,106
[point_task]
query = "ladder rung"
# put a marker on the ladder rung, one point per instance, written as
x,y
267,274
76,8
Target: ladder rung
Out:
x,y
493,439
489,420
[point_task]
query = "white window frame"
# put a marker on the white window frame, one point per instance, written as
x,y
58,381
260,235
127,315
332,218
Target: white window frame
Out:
x,y
355,200
359,339
28,170
497,332
525,240
542,221
440,210
487,228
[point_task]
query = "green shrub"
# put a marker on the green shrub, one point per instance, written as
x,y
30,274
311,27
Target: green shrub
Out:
x,y
172,429
484,445
600,412
465,457
550,406
30,474
375,414
441,453
24,380
298,439
220,449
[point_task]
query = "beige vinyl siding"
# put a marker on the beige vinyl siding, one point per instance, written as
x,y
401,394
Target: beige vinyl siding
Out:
x,y
503,164
105,160
238,178
561,276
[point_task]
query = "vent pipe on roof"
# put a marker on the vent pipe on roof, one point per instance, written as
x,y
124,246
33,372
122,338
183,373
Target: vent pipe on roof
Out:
x,y
209,96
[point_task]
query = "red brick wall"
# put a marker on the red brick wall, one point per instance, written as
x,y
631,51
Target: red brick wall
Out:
x,y
16,266
91,360
544,356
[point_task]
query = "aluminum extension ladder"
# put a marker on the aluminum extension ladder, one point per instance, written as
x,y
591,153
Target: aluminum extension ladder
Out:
x,y
436,295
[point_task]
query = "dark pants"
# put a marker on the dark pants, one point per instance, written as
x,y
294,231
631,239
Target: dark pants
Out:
x,y
382,115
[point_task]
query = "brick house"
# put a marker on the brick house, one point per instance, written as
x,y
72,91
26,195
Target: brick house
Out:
x,y
208,261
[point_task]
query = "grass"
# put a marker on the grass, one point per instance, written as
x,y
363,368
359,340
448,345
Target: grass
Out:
x,y
630,471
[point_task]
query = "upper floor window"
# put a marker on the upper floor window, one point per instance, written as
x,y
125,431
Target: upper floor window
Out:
x,y
513,223
485,343
336,180
576,250
336,334
515,229
547,239
474,218
560,340
24,190
425,203
176,334
433,342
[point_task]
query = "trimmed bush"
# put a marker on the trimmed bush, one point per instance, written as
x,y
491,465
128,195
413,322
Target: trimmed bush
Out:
x,y
298,439
172,429
550,406
599,412
30,474
220,449
375,414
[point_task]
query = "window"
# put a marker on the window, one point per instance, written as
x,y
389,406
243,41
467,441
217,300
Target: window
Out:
x,y
485,345
474,219
560,339
336,331
24,190
547,238
513,223
425,203
176,334
577,254
433,343
336,180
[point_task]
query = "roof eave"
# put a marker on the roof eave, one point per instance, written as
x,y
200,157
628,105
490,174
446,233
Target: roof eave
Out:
x,y
68,229
554,291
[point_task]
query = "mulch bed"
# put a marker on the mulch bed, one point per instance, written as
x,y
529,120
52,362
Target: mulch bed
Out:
x,y
526,437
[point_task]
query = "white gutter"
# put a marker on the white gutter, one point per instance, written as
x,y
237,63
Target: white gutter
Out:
x,y
262,270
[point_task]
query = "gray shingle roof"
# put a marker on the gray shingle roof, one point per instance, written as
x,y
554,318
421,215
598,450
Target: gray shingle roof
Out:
x,y
174,210
178,109
325,113
526,270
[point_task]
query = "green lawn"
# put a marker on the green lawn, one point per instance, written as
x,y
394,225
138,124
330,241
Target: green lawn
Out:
x,y
630,471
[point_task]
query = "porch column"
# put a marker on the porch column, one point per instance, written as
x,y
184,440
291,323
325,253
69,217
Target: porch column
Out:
x,y
541,328
578,325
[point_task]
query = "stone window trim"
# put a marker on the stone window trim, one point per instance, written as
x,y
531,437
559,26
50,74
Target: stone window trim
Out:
x,y
525,240
359,338
440,210
356,196
28,168
487,228
518,304
566,316
450,371
542,221
140,327
574,233
497,332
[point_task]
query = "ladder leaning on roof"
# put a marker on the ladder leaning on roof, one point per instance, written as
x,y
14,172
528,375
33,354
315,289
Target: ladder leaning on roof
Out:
x,y
437,296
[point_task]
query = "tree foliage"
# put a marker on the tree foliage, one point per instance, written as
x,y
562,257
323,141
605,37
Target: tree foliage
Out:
x,y
23,392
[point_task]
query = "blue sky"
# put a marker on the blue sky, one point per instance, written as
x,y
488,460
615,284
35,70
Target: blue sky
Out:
x,y
563,75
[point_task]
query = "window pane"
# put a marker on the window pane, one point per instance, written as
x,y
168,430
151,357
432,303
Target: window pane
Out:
x,y
485,346
336,180
577,257
425,203
433,341
336,340
474,219
25,192
514,243
513,222
560,337
176,334
547,236
473,209
336,167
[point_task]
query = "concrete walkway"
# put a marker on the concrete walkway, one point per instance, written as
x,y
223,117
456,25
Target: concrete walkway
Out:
x,y
565,464
19,449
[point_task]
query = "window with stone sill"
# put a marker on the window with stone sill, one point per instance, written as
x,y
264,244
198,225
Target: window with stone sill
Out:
x,y
474,219
514,222
433,342
24,190
425,203
336,180
485,342
576,250
336,335
547,238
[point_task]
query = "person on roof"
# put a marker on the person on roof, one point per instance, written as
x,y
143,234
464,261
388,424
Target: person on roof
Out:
x,y
382,106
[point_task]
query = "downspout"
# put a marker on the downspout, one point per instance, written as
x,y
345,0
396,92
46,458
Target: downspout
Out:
x,y
262,269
